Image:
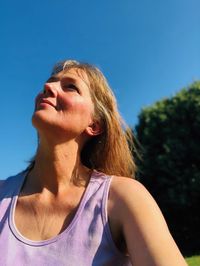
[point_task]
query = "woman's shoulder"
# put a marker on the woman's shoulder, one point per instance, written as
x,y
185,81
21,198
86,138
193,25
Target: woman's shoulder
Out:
x,y
131,201
123,188
133,209
9,185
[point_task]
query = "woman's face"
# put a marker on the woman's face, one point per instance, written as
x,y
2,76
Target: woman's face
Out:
x,y
65,107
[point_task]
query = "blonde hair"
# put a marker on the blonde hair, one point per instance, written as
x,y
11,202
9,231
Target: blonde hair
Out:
x,y
111,151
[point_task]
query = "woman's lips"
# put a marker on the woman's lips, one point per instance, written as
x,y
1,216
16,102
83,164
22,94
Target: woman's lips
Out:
x,y
46,102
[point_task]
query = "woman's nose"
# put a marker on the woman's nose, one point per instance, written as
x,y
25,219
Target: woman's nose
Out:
x,y
50,89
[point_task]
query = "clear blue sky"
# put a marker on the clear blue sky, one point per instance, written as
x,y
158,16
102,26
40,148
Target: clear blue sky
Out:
x,y
148,50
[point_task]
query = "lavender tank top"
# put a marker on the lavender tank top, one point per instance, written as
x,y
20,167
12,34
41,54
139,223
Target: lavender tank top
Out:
x,y
87,241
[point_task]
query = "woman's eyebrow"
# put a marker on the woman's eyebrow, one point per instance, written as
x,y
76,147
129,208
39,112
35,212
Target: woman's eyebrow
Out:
x,y
69,78
75,80
56,78
53,79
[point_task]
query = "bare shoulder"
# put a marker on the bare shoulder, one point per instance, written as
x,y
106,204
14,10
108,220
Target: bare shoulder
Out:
x,y
132,204
129,191
147,237
119,182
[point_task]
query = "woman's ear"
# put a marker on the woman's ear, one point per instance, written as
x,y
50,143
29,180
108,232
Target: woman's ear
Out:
x,y
94,129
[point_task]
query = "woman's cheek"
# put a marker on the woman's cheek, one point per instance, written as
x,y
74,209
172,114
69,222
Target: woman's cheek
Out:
x,y
72,104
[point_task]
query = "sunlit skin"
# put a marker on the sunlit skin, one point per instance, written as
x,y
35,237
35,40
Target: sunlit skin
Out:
x,y
64,107
64,118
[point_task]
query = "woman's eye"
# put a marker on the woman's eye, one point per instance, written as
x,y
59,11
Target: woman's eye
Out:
x,y
70,86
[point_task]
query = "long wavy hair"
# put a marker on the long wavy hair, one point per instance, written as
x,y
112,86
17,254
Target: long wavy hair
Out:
x,y
111,151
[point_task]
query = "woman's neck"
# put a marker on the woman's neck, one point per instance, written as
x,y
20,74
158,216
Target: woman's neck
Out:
x,y
57,167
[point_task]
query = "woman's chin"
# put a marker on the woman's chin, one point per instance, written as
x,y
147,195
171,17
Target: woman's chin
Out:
x,y
41,120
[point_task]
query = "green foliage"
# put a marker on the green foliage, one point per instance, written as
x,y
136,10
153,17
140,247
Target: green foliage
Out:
x,y
193,261
169,134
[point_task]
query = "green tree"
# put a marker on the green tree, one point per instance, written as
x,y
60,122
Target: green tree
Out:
x,y
169,135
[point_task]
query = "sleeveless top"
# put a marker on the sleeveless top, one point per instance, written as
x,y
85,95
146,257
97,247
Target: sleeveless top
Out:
x,y
87,241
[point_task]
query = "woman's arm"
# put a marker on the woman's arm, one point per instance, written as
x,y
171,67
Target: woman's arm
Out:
x,y
148,240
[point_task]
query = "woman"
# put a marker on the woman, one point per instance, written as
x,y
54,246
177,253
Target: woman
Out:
x,y
74,204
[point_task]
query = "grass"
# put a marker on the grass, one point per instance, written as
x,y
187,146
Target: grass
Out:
x,y
193,261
